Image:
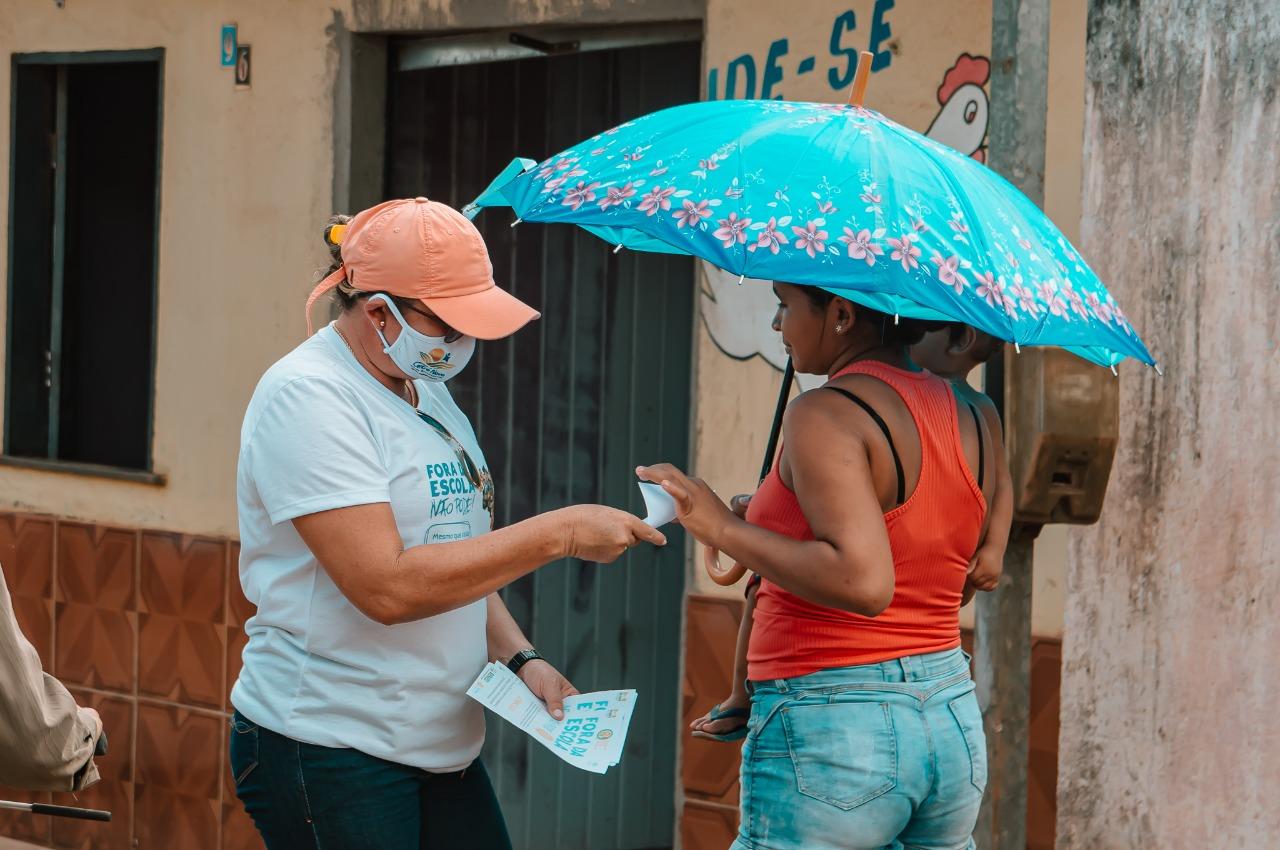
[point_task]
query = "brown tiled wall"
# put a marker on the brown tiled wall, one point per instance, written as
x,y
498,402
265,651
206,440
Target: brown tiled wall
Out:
x,y
146,627
709,819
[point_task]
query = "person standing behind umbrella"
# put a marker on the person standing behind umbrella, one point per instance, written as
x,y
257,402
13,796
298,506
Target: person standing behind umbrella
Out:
x,y
366,509
864,730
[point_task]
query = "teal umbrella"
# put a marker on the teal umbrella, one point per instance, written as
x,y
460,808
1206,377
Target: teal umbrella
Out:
x,y
836,196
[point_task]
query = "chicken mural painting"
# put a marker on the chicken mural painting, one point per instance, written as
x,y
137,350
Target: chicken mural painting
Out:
x,y
961,121
737,313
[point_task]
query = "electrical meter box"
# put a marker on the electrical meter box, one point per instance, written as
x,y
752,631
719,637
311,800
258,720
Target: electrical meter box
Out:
x,y
1062,421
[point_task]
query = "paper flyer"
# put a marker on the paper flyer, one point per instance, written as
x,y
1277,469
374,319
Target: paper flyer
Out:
x,y
594,729
660,505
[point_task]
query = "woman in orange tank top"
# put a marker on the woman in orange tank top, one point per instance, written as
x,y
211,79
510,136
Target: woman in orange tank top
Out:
x,y
864,730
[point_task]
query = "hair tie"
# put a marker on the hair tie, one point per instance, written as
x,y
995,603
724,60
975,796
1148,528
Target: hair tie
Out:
x,y
333,233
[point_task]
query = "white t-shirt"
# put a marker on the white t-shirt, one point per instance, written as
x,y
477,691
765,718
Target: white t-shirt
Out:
x,y
322,433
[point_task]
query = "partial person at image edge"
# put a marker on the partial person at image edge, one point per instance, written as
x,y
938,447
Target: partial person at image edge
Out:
x,y
46,740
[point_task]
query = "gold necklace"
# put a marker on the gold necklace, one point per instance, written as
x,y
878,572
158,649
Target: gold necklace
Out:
x,y
409,394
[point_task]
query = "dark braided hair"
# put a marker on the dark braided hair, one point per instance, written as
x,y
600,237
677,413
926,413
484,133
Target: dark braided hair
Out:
x,y
904,331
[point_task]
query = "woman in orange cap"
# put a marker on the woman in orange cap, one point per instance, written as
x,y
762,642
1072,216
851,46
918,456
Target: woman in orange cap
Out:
x,y
366,515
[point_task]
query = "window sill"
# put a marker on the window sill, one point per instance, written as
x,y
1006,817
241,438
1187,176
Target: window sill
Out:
x,y
117,473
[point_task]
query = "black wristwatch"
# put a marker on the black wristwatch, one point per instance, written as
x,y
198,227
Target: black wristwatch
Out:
x,y
522,658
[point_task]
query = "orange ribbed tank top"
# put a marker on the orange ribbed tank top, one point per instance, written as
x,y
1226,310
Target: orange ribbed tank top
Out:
x,y
933,536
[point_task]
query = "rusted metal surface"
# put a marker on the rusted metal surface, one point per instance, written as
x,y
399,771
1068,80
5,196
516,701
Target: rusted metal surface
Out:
x,y
1170,677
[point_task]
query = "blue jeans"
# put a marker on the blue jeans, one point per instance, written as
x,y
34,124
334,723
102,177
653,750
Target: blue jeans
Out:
x,y
307,797
889,755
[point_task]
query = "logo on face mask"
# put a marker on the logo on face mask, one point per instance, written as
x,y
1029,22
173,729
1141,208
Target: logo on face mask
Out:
x,y
434,363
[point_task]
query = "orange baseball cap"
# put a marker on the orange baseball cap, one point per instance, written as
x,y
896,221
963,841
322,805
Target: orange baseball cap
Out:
x,y
416,248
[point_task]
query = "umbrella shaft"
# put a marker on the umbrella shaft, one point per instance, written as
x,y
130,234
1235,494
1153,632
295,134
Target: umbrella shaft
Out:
x,y
56,811
784,395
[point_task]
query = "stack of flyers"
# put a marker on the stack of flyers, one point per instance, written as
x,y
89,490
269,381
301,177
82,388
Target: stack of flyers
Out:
x,y
591,735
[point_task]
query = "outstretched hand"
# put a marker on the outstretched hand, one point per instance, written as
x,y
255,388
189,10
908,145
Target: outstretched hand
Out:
x,y
698,508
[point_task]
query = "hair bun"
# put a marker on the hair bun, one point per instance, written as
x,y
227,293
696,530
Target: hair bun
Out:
x,y
333,231
333,234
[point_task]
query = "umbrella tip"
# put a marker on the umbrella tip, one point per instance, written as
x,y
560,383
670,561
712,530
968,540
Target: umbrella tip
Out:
x,y
1159,371
860,77
618,248
1115,371
741,278
1017,349
895,318
517,221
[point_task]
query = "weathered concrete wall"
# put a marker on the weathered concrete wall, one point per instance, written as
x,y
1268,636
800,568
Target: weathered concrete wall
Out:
x,y
1170,678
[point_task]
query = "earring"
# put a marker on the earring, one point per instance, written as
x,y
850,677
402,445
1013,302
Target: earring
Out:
x,y
839,329
382,324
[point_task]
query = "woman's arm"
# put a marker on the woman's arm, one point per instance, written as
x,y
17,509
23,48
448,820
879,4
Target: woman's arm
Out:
x,y
506,639
848,565
988,560
360,548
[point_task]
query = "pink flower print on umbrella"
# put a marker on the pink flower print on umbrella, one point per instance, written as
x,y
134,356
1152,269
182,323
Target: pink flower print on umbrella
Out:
x,y
949,272
658,170
959,227
904,252
617,196
657,199
1048,292
990,289
732,230
598,151
1006,298
1011,259
555,183
770,237
1074,299
561,164
692,214
918,225
861,247
580,194
1119,315
1100,308
871,197
711,163
1026,298
810,239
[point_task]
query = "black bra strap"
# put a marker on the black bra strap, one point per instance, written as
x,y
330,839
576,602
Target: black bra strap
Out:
x,y
982,451
897,461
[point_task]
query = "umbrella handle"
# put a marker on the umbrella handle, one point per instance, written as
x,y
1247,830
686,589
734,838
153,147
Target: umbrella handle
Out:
x,y
720,575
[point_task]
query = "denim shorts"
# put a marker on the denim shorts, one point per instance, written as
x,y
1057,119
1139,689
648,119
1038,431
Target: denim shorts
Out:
x,y
889,755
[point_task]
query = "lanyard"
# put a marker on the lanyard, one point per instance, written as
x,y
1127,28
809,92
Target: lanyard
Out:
x,y
479,478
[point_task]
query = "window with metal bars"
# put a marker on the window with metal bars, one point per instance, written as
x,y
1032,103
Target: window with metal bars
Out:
x,y
83,217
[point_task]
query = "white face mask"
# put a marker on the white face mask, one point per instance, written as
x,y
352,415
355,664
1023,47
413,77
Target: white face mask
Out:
x,y
422,356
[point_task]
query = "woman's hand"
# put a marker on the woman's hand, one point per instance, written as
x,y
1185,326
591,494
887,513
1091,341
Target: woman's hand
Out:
x,y
698,508
547,685
601,534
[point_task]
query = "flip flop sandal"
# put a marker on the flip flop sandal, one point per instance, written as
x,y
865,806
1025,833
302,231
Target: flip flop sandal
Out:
x,y
735,734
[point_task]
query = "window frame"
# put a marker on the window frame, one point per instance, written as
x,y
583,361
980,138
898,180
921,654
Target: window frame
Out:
x,y
154,55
